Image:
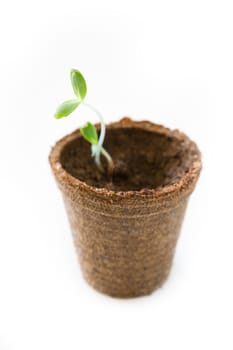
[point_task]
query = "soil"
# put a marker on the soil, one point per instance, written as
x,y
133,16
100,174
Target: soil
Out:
x,y
142,160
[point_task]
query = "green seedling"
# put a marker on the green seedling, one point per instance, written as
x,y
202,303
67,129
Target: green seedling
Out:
x,y
88,131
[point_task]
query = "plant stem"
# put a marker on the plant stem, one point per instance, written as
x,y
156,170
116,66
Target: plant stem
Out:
x,y
99,147
109,160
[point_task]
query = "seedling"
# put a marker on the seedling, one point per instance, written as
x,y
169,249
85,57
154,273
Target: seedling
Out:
x,y
88,131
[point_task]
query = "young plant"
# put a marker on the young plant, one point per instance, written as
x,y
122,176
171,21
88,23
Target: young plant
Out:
x,y
88,131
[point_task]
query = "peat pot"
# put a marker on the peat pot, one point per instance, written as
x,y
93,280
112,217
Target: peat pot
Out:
x,y
125,227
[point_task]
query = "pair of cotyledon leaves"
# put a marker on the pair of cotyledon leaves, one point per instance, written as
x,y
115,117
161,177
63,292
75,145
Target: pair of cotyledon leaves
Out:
x,y
66,108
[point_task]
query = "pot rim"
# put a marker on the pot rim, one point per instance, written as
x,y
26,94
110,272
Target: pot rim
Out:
x,y
183,186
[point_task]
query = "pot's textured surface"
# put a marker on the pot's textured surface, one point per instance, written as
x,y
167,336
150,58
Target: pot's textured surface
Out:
x,y
126,239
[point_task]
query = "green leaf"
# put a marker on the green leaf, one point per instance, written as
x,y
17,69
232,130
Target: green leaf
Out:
x,y
89,133
66,108
79,84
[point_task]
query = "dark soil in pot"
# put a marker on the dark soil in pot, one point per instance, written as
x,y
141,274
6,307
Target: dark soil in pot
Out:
x,y
125,227
143,160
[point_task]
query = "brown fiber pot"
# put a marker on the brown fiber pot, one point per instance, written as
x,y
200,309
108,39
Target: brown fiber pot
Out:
x,y
125,228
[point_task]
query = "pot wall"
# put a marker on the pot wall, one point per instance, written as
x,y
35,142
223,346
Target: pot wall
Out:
x,y
124,254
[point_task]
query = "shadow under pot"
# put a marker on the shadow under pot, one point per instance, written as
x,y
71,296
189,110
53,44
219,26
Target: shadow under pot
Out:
x,y
125,227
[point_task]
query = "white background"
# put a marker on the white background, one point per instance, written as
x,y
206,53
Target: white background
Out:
x,y
168,61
